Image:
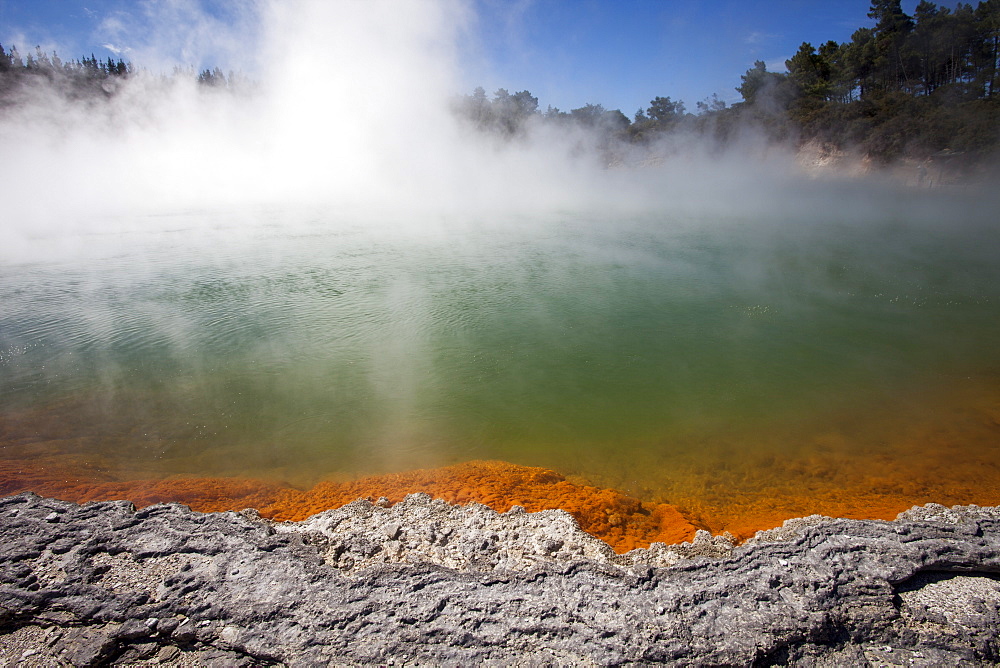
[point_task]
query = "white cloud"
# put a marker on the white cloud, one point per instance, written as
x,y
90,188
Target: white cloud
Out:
x,y
757,37
776,65
115,49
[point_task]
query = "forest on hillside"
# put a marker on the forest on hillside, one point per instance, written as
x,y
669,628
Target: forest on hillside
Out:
x,y
911,87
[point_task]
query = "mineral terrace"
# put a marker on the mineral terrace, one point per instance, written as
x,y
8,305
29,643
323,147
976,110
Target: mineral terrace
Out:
x,y
423,582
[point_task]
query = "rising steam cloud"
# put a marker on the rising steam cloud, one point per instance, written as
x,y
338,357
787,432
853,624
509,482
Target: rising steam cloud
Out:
x,y
350,104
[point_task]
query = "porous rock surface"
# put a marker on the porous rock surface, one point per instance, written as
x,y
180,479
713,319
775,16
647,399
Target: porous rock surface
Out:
x,y
425,583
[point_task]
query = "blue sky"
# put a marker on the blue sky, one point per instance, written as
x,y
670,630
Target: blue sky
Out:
x,y
619,53
622,54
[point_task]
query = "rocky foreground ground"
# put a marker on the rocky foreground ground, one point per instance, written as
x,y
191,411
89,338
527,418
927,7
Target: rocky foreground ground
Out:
x,y
423,582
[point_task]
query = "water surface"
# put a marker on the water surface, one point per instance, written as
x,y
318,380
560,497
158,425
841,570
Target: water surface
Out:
x,y
659,353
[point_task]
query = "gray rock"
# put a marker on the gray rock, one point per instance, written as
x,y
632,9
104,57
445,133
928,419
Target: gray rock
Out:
x,y
423,582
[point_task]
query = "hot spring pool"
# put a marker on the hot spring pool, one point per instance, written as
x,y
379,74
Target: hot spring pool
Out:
x,y
705,361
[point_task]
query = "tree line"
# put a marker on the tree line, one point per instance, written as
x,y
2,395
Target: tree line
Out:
x,y
83,76
80,77
909,87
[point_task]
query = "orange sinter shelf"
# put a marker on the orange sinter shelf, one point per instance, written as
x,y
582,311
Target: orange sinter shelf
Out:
x,y
622,521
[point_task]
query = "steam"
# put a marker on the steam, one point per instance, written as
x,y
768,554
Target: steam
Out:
x,y
350,106
345,105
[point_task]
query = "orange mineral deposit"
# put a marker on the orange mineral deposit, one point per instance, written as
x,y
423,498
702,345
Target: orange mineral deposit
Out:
x,y
623,521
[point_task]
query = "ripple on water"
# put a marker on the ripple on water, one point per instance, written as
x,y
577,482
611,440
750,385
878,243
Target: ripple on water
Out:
x,y
695,364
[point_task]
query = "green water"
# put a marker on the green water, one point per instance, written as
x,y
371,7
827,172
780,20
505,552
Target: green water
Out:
x,y
298,346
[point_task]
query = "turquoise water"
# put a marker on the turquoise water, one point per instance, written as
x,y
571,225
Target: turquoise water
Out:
x,y
298,346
